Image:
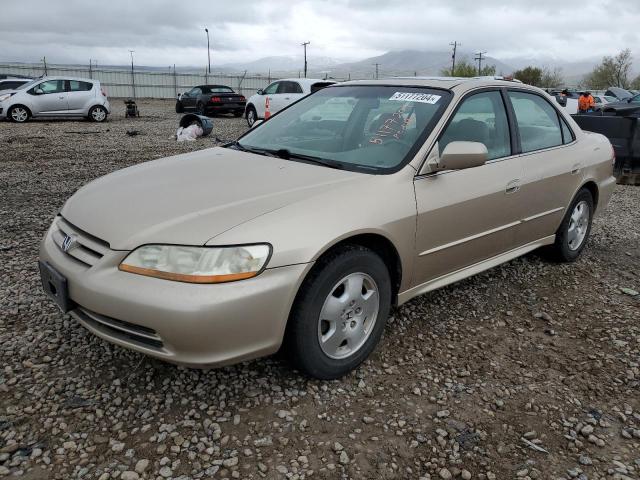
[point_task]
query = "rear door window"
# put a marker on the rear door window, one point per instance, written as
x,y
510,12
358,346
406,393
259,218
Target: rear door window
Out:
x,y
537,120
480,118
78,86
289,87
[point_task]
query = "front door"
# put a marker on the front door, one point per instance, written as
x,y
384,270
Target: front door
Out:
x,y
50,97
265,108
467,216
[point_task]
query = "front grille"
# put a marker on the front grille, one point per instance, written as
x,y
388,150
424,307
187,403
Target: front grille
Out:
x,y
125,331
86,249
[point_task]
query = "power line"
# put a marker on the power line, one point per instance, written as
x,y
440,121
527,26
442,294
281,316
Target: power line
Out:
x,y
304,44
478,57
455,46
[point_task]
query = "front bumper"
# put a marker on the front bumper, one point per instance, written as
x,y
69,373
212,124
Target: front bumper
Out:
x,y
189,324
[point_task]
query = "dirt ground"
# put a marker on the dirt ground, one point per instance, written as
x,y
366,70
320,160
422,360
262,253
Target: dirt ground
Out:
x,y
530,370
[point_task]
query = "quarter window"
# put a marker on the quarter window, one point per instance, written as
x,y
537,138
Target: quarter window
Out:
x,y
537,122
480,118
567,136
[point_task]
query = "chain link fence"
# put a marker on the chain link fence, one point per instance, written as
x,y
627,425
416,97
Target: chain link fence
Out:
x,y
140,84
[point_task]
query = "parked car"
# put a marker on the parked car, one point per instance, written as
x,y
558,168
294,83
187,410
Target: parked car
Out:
x,y
279,95
631,102
304,231
12,83
56,97
619,93
211,100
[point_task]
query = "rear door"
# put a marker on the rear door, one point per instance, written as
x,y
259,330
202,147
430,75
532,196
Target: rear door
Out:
x,y
49,97
467,216
552,164
79,96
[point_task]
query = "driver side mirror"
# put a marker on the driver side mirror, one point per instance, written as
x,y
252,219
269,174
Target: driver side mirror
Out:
x,y
260,91
461,155
38,91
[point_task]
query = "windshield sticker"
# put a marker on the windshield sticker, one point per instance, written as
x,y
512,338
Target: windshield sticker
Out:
x,y
416,97
391,125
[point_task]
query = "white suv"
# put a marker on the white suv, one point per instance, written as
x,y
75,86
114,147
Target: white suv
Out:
x,y
56,97
279,95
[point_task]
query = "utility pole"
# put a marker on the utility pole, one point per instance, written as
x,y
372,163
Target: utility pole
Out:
x,y
455,46
208,50
133,77
304,44
44,60
478,57
91,67
377,65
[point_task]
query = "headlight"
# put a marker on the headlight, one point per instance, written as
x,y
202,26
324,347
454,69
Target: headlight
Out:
x,y
198,264
5,96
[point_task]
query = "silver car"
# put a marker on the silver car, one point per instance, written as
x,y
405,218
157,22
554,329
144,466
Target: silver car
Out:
x,y
56,97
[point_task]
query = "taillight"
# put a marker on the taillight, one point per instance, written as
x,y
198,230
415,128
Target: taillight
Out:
x,y
103,91
216,99
613,156
242,98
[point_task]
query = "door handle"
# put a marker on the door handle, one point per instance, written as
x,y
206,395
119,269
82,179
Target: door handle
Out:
x,y
513,186
286,98
61,98
576,169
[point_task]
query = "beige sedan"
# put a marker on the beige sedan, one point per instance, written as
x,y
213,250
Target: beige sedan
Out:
x,y
307,230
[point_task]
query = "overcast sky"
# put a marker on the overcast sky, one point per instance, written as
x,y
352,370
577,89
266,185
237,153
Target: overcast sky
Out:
x,y
164,32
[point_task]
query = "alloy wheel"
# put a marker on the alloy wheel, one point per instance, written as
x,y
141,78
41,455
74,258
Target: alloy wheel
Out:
x,y
578,225
98,114
19,114
348,315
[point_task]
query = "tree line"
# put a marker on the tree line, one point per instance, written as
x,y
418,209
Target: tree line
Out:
x,y
613,71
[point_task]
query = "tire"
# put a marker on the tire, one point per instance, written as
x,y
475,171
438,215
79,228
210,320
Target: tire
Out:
x,y
200,109
19,114
346,282
179,107
251,115
98,114
573,233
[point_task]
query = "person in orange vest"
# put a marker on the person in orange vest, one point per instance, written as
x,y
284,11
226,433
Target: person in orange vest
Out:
x,y
586,103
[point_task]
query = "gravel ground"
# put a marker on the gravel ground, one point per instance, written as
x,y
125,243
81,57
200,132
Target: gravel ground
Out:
x,y
530,370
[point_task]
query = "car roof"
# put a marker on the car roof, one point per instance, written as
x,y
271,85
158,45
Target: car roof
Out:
x,y
79,79
449,83
304,81
213,86
15,79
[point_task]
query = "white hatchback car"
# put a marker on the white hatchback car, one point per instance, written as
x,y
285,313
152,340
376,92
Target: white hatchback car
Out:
x,y
56,97
279,95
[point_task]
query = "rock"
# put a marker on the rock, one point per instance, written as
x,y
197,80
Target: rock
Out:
x,y
129,475
445,474
344,458
141,466
465,474
230,462
165,472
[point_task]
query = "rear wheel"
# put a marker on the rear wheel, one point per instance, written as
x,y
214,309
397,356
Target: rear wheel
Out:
x,y
252,115
98,114
340,313
19,114
574,230
200,108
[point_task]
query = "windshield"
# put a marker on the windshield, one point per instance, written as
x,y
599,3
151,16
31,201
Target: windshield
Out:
x,y
28,84
216,89
363,127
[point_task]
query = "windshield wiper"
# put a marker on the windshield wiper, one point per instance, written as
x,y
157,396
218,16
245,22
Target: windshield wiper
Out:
x,y
287,154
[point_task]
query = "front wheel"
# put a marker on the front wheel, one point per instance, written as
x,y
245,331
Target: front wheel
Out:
x,y
179,107
98,114
340,313
19,114
574,230
252,115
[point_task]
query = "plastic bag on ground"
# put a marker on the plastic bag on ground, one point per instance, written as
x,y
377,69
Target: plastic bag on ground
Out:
x,y
189,134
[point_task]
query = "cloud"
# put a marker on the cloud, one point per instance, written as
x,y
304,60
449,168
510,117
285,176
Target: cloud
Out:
x,y
164,32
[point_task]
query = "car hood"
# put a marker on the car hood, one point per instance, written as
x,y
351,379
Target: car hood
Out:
x,y
191,198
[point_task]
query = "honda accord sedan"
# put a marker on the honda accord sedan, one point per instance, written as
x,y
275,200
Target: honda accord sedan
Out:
x,y
304,232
